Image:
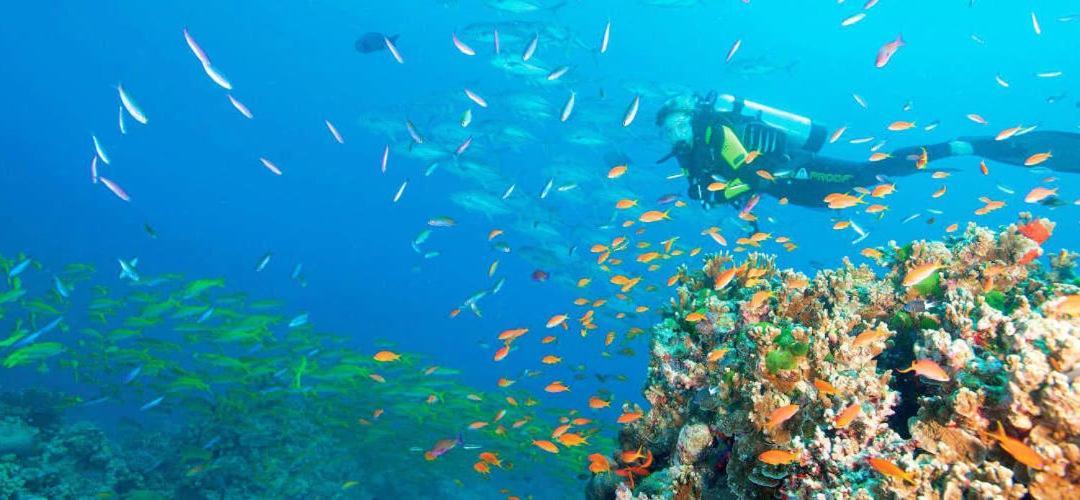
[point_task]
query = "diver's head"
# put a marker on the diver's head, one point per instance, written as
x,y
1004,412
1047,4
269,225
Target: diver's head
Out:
x,y
676,121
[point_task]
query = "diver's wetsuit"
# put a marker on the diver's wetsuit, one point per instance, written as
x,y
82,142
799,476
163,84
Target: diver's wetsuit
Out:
x,y
805,177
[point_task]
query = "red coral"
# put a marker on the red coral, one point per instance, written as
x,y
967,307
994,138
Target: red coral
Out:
x,y
1036,231
1031,255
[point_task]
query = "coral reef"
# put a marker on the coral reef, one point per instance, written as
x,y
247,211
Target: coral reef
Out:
x,y
953,375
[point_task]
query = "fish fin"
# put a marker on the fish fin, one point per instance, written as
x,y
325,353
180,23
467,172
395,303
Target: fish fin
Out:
x,y
1001,432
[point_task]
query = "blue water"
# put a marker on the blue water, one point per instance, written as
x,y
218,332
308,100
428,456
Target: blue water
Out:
x,y
194,176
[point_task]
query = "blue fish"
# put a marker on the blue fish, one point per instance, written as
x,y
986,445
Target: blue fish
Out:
x,y
206,315
60,288
127,269
300,320
34,336
132,374
152,404
19,268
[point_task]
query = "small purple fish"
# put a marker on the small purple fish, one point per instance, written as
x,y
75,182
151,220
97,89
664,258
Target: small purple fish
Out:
x,y
465,145
442,446
115,188
668,198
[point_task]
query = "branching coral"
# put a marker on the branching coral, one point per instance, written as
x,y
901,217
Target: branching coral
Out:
x,y
796,385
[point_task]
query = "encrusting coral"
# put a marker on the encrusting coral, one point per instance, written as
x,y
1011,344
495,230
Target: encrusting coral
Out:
x,y
953,375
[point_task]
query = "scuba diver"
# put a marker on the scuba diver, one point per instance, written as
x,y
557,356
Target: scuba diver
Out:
x,y
713,136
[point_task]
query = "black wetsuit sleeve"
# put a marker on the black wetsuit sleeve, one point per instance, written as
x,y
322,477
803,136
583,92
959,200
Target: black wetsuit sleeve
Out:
x,y
1064,148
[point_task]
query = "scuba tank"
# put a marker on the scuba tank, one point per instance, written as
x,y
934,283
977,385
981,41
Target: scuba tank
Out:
x,y
798,131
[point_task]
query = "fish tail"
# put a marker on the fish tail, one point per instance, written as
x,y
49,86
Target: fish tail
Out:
x,y
905,370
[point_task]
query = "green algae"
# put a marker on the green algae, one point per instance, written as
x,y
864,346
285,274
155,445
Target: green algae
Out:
x,y
998,300
788,349
930,286
779,359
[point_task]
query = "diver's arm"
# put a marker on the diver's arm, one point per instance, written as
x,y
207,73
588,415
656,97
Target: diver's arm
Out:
x,y
1064,148
899,163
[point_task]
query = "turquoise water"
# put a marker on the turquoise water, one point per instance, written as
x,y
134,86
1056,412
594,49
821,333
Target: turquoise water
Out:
x,y
345,254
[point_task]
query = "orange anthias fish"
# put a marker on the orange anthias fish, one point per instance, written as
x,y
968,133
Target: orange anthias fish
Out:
x,y
598,463
1037,158
571,439
597,403
778,457
759,298
625,204
781,415
481,468
491,458
847,415
386,356
694,317
1007,133
919,273
797,283
1039,194
556,320
501,353
890,469
825,388
927,368
546,445
880,156
716,355
870,336
616,171
630,416
654,216
922,160
841,200
513,333
631,456
1020,451
883,190
556,387
724,278
901,125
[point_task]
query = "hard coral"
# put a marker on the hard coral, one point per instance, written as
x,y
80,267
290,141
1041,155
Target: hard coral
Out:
x,y
988,319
